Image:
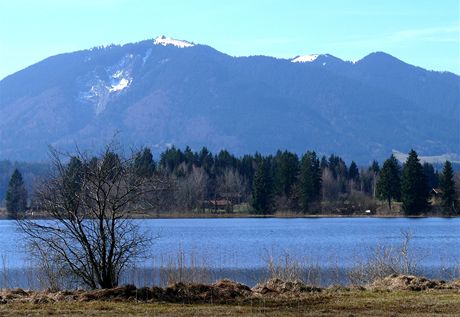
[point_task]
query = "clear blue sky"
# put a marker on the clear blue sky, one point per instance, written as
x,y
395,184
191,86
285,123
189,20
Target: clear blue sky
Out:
x,y
421,32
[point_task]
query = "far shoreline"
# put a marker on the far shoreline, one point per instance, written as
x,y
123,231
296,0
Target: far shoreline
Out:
x,y
240,215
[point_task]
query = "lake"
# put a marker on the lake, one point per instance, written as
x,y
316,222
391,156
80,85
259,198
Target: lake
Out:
x,y
241,247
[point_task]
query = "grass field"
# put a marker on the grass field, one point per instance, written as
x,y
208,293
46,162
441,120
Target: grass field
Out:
x,y
341,303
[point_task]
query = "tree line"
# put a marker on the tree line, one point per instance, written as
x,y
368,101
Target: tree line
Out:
x,y
263,184
90,238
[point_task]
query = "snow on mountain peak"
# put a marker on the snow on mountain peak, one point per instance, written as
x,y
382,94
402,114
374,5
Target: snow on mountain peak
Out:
x,y
163,40
120,86
305,58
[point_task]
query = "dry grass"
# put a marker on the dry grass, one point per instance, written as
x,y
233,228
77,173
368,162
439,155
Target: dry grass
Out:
x,y
328,303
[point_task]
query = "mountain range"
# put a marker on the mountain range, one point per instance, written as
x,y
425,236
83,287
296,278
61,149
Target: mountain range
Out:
x,y
164,91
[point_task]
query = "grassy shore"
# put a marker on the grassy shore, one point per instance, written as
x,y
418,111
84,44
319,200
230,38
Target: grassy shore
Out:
x,y
395,295
340,303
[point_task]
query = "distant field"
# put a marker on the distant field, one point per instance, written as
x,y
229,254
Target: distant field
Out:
x,y
343,303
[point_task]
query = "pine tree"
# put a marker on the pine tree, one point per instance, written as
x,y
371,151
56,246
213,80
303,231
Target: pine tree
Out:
x,y
111,165
375,170
144,164
286,170
431,175
16,195
206,160
339,171
324,164
190,158
447,186
224,161
262,191
310,180
353,175
72,182
171,159
353,172
375,167
389,183
246,168
414,187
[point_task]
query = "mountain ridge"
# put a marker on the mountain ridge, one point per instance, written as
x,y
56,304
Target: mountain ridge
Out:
x,y
245,104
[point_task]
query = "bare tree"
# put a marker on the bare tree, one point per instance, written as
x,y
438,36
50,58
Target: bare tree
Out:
x,y
89,202
330,186
191,189
231,186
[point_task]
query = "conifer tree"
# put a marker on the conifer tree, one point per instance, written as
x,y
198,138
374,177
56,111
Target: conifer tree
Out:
x,y
375,167
353,172
16,195
224,161
353,175
262,192
375,170
389,183
310,180
414,187
190,158
206,160
246,166
431,175
72,182
324,164
144,164
447,186
287,168
171,159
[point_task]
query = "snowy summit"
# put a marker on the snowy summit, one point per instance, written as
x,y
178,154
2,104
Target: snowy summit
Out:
x,y
120,86
305,58
163,40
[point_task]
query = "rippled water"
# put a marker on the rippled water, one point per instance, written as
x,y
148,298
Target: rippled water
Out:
x,y
245,244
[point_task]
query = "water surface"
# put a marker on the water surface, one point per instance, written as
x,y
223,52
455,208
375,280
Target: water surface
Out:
x,y
246,244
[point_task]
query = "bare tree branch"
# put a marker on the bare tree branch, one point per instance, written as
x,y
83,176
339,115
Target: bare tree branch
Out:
x,y
89,201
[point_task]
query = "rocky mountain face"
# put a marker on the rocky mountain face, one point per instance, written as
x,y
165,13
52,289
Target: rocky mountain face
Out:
x,y
165,91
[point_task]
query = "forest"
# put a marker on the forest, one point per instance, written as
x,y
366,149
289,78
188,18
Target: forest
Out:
x,y
284,183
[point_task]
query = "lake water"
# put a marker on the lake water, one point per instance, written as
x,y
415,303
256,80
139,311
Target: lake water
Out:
x,y
238,247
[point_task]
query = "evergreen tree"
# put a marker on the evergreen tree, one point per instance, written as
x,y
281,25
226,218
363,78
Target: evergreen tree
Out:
x,y
144,164
262,188
375,167
339,171
414,187
206,160
431,175
389,183
72,182
310,180
246,167
353,172
224,161
111,165
353,176
375,170
286,170
171,159
16,194
190,158
324,164
447,186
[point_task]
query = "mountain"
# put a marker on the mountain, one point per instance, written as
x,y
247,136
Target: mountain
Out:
x,y
166,91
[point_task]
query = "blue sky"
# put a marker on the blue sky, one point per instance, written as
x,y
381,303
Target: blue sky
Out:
x,y
425,33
